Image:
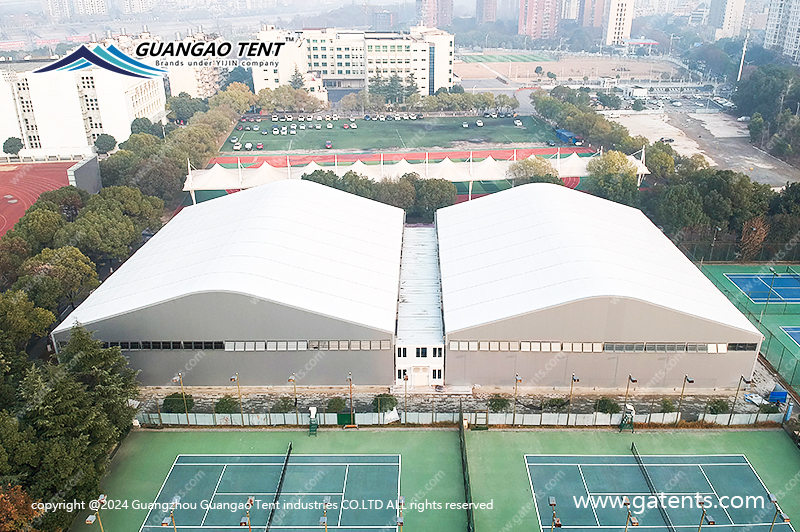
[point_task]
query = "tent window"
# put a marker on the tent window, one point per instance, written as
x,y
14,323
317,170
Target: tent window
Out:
x,y
135,346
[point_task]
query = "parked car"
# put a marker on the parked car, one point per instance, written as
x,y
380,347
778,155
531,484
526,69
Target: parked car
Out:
x,y
345,126
479,123
464,125
328,144
353,126
234,140
237,146
329,125
255,128
260,146
318,126
248,146
275,131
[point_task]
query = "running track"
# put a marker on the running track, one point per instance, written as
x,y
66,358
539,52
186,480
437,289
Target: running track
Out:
x,y
24,182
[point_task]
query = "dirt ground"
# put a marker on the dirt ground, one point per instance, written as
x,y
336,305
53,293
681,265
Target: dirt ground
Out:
x,y
655,127
575,67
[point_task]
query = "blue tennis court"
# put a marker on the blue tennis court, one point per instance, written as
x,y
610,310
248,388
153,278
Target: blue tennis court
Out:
x,y
763,288
793,333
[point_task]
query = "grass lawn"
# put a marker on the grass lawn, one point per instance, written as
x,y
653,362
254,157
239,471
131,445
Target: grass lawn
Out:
x,y
504,58
394,134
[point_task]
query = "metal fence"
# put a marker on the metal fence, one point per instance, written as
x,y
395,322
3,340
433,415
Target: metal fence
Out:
x,y
597,419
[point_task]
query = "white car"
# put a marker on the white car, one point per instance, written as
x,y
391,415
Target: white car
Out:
x,y
327,118
464,125
352,119
237,146
309,118
329,126
319,117
284,130
336,117
248,146
301,118
479,123
382,118
294,126
275,131
274,118
255,128
353,126
518,122
302,126
293,131
318,126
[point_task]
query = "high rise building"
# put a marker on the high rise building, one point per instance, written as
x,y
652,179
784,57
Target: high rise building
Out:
x,y
136,6
57,9
383,20
617,19
570,9
91,7
783,30
725,16
444,13
486,11
539,18
426,13
590,14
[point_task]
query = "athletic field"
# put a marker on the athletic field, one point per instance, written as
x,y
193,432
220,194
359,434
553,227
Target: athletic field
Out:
x,y
425,465
504,58
389,134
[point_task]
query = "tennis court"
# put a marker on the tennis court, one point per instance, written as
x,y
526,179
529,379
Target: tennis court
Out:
x,y
210,492
723,482
762,288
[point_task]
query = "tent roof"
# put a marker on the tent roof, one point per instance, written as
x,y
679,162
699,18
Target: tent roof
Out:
x,y
293,242
500,258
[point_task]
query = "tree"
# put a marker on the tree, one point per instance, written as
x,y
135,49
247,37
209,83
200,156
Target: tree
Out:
x,y
498,403
241,76
108,380
42,290
661,165
20,319
532,170
680,206
638,105
754,233
142,144
539,70
16,509
283,405
551,75
756,127
75,273
14,250
384,402
335,404
144,125
237,96
226,405
69,199
607,405
612,176
159,176
105,143
100,233
13,145
433,194
174,403
119,168
398,193
145,211
38,227
183,107
196,143
297,81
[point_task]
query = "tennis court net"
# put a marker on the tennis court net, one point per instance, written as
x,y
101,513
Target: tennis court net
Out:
x,y
465,470
652,487
279,489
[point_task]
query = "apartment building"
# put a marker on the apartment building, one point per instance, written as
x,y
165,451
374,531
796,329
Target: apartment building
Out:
x,y
725,16
539,18
590,13
783,28
617,19
486,11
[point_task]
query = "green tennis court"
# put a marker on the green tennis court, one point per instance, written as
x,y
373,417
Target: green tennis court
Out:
x,y
589,492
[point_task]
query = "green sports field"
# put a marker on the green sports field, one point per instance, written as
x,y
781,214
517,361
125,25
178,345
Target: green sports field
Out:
x,y
390,134
234,463
504,58
780,313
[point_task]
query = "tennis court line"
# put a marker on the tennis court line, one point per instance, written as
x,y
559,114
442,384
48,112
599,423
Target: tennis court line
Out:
x,y
588,494
159,492
671,464
273,493
753,469
715,492
293,527
344,489
307,464
770,289
222,474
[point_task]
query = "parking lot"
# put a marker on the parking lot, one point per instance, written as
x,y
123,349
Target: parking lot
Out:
x,y
288,132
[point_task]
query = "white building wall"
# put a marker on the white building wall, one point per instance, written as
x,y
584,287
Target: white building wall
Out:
x,y
57,109
726,16
443,54
617,22
292,54
9,123
783,28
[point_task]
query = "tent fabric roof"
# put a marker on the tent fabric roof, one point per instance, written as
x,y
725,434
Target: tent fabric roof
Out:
x,y
500,258
292,242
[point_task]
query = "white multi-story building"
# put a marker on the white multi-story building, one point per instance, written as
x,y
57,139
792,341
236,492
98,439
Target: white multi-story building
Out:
x,y
57,9
783,28
91,7
347,59
63,112
725,16
136,6
617,20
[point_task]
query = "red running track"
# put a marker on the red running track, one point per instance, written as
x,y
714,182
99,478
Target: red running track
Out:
x,y
506,154
24,182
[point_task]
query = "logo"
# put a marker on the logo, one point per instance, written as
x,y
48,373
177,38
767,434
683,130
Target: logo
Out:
x,y
110,58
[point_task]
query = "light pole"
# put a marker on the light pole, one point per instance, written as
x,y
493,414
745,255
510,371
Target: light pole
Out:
x,y
556,522
401,503
713,242
517,380
569,404
405,408
686,380
627,388
170,520
246,518
733,405
705,517
179,378
96,515
771,283
350,380
235,379
784,517
293,380
323,521
630,519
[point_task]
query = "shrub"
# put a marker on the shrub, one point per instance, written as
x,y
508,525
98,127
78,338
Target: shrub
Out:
x,y
667,406
384,402
718,406
498,403
283,405
607,405
336,404
769,409
226,405
173,403
555,403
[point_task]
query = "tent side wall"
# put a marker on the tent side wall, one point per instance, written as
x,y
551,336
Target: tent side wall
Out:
x,y
221,317
600,320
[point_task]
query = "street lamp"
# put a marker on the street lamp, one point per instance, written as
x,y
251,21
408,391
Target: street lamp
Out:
x,y
556,522
179,378
96,515
784,517
686,380
323,521
350,380
714,241
569,405
405,408
733,405
170,520
771,283
235,379
705,517
293,380
627,388
517,380
630,519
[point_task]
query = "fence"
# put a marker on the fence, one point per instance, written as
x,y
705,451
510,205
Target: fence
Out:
x,y
598,419
724,251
